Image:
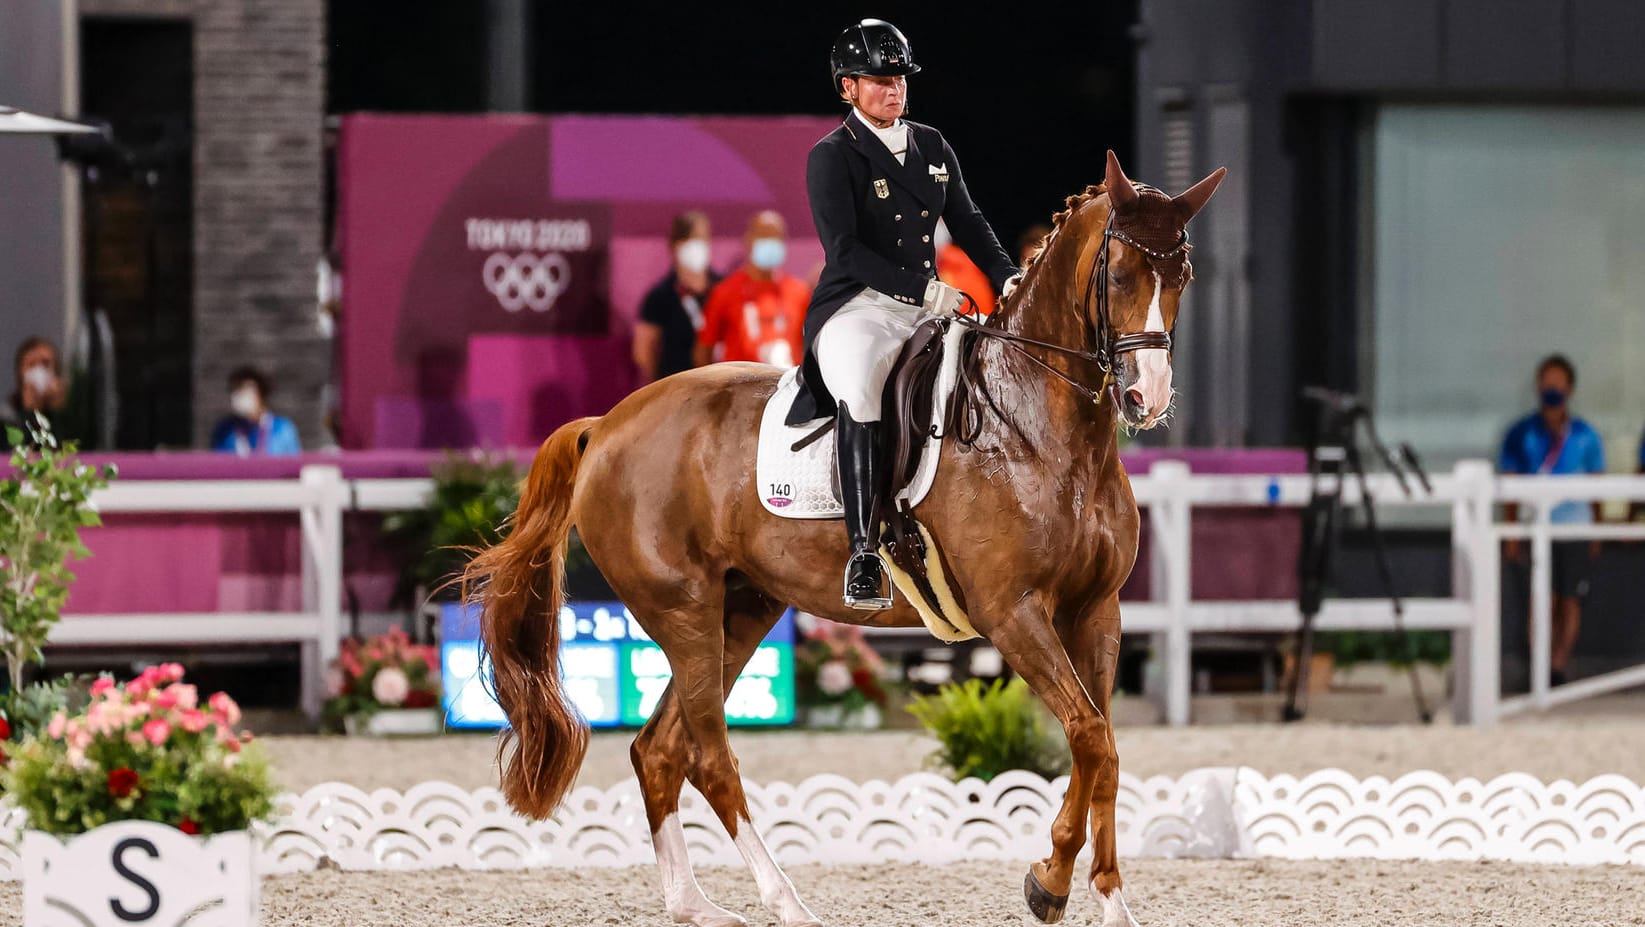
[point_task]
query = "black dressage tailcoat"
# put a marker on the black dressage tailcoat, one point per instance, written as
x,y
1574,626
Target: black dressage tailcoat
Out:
x,y
876,218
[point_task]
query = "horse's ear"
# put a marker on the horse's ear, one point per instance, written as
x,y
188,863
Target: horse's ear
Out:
x,y
1193,199
1120,192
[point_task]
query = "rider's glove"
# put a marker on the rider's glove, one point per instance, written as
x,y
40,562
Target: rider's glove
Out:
x,y
942,299
1010,286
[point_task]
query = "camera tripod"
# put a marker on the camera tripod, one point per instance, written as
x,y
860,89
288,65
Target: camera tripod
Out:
x,y
1333,456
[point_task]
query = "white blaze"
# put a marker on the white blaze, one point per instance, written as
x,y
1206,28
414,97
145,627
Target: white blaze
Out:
x,y
1154,364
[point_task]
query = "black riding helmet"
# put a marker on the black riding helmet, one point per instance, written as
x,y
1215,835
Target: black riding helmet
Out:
x,y
873,47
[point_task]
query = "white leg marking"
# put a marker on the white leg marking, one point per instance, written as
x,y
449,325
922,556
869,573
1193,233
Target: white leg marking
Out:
x,y
776,891
1112,908
684,897
1154,364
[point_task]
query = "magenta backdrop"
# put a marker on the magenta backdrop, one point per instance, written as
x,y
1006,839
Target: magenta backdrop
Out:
x,y
430,356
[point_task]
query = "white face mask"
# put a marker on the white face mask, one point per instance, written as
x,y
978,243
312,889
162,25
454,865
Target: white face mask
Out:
x,y
245,403
692,255
38,378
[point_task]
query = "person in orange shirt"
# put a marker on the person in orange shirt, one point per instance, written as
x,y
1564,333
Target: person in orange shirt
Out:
x,y
758,312
957,270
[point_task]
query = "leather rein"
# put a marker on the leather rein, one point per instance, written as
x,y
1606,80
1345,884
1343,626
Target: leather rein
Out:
x,y
1110,345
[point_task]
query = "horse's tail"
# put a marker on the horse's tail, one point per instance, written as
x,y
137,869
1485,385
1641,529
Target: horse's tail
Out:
x,y
519,584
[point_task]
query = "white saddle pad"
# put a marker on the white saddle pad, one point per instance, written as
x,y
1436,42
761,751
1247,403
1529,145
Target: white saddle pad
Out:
x,y
800,484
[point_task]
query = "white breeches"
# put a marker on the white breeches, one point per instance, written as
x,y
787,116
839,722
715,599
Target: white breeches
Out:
x,y
857,346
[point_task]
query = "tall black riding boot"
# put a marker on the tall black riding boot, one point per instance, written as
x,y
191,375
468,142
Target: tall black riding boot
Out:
x,y
856,450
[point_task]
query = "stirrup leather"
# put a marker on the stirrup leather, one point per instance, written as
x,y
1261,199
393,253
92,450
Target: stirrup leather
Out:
x,y
868,603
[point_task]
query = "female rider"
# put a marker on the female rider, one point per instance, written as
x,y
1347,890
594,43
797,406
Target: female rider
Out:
x,y
877,186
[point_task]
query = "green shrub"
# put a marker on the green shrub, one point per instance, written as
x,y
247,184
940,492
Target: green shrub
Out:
x,y
987,731
474,498
1350,647
43,506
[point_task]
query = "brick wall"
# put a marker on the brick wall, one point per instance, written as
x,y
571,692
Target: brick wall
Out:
x,y
259,105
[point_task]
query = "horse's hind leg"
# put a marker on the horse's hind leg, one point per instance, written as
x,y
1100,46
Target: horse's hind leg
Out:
x,y
1093,643
749,616
662,755
665,754
1031,647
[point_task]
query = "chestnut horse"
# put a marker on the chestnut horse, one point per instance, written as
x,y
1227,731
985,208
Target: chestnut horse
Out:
x,y
1034,518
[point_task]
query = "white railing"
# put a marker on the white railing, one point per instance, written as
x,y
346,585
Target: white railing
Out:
x,y
1219,813
1169,492
318,497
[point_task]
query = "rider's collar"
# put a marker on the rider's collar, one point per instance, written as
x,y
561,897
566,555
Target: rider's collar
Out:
x,y
897,126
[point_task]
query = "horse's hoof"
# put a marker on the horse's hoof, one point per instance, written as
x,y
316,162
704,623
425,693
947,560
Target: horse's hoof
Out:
x,y
1042,904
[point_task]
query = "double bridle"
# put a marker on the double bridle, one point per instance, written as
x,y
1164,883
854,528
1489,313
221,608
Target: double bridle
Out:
x,y
1110,345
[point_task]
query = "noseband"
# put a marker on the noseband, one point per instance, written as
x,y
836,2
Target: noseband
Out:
x,y
1110,344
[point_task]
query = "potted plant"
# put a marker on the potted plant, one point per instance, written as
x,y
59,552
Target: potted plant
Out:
x,y
384,685
146,795
474,496
43,506
837,678
987,730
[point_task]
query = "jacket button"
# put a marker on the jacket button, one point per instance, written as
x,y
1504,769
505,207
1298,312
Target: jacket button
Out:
x,y
924,214
899,217
899,242
928,263
925,238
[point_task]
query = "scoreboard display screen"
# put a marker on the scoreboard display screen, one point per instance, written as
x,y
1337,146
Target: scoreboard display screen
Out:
x,y
613,672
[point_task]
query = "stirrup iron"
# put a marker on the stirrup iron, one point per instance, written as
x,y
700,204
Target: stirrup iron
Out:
x,y
872,603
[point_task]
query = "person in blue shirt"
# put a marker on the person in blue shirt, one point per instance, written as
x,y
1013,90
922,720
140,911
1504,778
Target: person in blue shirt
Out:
x,y
1550,441
251,429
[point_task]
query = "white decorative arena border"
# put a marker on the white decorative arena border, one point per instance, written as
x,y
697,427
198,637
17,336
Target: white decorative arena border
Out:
x,y
1222,813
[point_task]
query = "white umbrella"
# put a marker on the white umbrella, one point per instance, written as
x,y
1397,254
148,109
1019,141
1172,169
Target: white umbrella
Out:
x,y
16,120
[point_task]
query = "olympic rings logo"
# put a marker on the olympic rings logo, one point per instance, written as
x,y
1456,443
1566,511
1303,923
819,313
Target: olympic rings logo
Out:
x,y
526,279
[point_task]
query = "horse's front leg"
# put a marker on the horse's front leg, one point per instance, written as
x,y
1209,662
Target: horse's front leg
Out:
x,y
1032,648
1093,643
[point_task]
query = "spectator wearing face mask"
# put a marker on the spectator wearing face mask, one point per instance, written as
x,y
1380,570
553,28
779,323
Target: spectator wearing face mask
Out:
x,y
250,428
1552,440
758,312
671,315
38,393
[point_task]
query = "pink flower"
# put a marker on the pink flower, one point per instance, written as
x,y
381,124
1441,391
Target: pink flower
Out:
x,y
193,720
351,665
187,696
225,707
334,682
156,731
390,686
54,730
166,700
171,672
102,686
103,717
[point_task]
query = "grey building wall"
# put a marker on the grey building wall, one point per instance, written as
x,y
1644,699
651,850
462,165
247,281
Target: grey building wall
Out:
x,y
259,103
31,183
1282,91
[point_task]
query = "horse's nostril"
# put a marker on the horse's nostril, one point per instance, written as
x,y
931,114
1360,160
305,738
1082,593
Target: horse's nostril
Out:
x,y
1133,398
